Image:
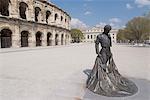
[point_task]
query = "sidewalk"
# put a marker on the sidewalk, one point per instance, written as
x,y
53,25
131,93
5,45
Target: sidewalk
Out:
x,y
48,73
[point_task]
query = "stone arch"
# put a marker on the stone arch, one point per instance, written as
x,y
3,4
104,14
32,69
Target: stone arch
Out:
x,y
56,16
49,39
4,7
48,13
37,11
65,20
62,39
24,39
22,10
6,38
56,39
62,18
38,37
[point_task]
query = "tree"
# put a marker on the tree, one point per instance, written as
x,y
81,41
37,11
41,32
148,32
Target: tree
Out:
x,y
121,36
76,35
138,29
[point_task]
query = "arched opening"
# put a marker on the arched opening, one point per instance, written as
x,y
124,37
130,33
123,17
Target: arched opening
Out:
x,y
61,18
62,39
48,13
6,38
22,10
56,39
65,20
24,38
56,16
66,39
37,11
38,39
4,7
49,39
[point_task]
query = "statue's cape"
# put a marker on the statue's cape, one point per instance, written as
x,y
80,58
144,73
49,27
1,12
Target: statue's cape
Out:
x,y
108,81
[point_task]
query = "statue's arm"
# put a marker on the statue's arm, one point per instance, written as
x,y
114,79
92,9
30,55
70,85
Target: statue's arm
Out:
x,y
97,45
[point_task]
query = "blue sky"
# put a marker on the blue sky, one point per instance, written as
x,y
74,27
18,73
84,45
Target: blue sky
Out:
x,y
88,13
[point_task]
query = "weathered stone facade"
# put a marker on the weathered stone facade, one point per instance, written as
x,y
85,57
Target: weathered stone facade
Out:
x,y
31,23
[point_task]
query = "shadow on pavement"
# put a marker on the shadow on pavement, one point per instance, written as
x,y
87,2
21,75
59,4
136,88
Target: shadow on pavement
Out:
x,y
142,94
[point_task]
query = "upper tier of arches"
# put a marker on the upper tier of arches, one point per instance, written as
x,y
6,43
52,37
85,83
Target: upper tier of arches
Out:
x,y
39,11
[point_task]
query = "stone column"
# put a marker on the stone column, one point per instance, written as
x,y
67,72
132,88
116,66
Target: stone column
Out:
x,y
59,37
30,11
13,9
32,39
16,39
44,38
27,14
53,37
69,38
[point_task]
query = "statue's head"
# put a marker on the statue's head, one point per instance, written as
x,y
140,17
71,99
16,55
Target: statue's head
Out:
x,y
107,28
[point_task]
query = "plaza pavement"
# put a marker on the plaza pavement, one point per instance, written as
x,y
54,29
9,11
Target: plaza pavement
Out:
x,y
56,73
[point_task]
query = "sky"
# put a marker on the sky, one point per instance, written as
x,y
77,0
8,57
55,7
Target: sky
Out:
x,y
89,13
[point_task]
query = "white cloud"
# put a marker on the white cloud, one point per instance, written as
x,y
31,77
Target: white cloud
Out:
x,y
142,3
87,13
114,20
76,23
101,24
128,6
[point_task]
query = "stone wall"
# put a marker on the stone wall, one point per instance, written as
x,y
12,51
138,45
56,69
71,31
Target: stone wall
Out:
x,y
33,21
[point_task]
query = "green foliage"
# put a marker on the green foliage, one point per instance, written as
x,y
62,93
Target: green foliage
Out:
x,y
76,35
137,29
121,35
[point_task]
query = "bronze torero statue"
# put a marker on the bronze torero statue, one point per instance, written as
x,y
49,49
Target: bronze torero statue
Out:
x,y
104,78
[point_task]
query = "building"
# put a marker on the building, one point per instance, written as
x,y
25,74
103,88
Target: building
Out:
x,y
91,34
113,34
31,23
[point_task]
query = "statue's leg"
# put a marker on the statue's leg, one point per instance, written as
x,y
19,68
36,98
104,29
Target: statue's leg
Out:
x,y
105,58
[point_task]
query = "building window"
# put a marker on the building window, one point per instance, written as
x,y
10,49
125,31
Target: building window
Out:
x,y
56,16
91,36
6,38
56,39
61,18
39,38
37,11
24,38
65,20
4,7
22,9
48,13
88,36
49,39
